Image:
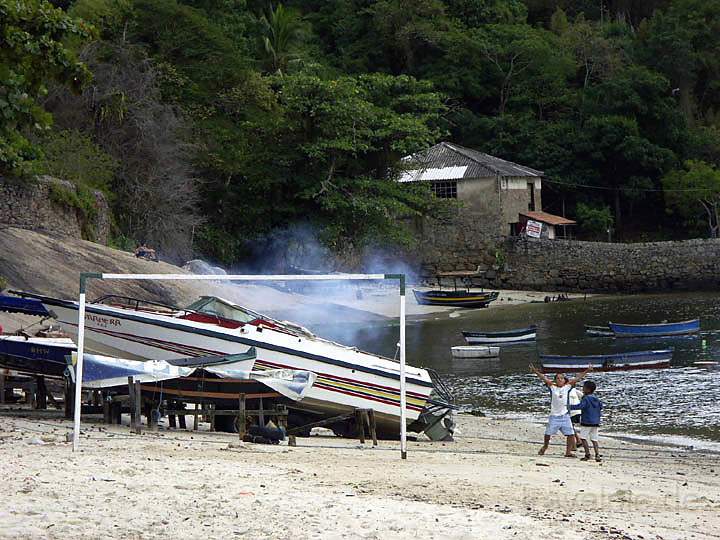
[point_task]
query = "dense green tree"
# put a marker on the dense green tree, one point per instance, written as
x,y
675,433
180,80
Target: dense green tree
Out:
x,y
695,186
32,54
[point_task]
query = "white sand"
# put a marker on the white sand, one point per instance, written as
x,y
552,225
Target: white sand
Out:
x,y
191,485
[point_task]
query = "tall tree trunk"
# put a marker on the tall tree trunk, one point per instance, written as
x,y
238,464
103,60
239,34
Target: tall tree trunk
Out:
x,y
618,212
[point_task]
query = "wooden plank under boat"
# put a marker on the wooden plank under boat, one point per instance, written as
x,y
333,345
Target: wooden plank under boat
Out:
x,y
468,299
475,351
607,362
655,330
499,338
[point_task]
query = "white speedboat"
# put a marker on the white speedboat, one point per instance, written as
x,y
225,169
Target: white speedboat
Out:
x,y
347,378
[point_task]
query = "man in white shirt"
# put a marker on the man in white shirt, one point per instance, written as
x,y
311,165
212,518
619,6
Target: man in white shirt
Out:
x,y
559,419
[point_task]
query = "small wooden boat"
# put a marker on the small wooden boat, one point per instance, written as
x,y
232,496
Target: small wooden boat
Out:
x,y
456,298
599,331
655,330
607,362
475,351
501,338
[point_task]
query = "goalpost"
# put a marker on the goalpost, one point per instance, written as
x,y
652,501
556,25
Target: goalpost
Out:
x,y
85,277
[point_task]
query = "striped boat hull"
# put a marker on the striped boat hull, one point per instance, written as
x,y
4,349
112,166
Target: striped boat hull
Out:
x,y
501,338
346,378
608,362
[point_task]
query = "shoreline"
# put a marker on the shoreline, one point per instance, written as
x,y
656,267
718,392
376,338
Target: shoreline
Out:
x,y
191,484
678,442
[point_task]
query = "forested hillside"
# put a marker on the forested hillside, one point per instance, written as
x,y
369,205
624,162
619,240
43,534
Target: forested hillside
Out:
x,y
212,124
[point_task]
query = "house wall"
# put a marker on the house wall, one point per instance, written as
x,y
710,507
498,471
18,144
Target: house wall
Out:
x,y
469,237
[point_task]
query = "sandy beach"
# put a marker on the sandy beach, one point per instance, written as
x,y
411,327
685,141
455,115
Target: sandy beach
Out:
x,y
201,484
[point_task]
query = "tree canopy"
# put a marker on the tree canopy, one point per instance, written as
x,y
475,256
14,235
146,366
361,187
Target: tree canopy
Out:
x,y
261,115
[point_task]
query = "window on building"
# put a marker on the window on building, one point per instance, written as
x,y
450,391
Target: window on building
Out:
x,y
531,193
445,190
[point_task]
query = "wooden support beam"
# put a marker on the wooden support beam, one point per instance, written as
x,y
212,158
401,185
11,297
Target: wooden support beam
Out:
x,y
40,393
69,398
138,402
133,399
372,426
2,388
360,424
241,419
196,420
107,411
261,415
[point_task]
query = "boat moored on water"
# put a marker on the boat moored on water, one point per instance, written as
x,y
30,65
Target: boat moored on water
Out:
x,y
681,328
347,378
462,297
607,362
475,351
501,338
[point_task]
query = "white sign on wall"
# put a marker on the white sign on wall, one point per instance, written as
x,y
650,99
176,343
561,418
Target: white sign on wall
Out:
x,y
533,228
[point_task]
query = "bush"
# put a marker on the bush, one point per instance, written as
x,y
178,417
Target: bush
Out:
x,y
594,220
3,283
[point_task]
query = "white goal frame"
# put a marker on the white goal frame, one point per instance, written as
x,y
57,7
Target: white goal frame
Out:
x,y
85,277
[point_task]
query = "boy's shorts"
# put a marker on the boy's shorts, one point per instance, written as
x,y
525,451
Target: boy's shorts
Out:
x,y
589,433
559,423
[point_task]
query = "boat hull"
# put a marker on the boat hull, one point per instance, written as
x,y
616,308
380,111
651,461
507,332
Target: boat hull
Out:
x,y
475,352
455,298
35,356
599,331
656,330
501,338
347,378
608,362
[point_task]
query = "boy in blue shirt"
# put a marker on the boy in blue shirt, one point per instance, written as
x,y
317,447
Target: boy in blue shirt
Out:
x,y
591,409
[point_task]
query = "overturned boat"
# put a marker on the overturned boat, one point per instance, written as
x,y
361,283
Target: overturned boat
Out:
x,y
347,378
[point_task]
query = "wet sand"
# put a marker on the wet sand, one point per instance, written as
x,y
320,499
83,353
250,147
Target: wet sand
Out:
x,y
189,485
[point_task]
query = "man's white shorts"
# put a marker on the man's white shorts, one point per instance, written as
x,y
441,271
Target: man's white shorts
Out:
x,y
589,433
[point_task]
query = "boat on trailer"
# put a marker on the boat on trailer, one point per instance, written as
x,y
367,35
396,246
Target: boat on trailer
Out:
x,y
347,378
607,362
475,351
501,338
656,330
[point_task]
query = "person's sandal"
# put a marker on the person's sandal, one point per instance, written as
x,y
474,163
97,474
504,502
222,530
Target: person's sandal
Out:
x,y
542,450
570,455
586,458
598,459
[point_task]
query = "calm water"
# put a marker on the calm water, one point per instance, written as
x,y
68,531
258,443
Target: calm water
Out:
x,y
683,401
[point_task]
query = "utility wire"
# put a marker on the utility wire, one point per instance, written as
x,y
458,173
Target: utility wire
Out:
x,y
569,184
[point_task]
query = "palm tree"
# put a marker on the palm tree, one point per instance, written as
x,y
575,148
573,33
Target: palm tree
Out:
x,y
282,29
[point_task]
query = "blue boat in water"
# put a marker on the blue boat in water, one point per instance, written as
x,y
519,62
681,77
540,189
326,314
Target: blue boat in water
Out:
x,y
656,330
607,362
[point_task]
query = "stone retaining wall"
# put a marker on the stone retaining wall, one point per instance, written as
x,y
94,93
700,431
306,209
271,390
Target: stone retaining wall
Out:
x,y
567,265
29,205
